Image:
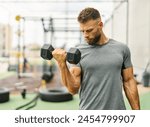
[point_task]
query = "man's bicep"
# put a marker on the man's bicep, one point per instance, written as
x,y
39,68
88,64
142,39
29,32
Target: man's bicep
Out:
x,y
127,74
76,72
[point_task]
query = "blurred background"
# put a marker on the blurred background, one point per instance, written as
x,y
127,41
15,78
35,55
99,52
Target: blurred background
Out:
x,y
25,25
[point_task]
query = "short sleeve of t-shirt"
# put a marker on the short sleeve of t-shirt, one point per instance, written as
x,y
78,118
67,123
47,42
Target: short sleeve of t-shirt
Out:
x,y
126,58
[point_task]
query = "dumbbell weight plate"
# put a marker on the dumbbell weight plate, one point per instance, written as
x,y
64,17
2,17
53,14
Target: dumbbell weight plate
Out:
x,y
73,56
46,52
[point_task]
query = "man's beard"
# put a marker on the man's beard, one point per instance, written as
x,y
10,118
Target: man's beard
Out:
x,y
94,40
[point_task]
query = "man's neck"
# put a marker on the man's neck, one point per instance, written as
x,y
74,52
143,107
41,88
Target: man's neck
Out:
x,y
103,39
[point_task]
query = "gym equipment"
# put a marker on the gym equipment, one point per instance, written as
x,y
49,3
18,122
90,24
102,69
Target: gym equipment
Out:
x,y
4,95
47,76
18,17
23,93
34,101
55,95
48,95
48,73
46,52
48,30
146,76
22,65
73,55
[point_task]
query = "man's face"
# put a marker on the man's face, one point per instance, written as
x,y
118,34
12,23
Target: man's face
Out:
x,y
91,31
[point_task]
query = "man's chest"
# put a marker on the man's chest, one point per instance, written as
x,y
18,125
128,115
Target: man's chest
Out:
x,y
101,59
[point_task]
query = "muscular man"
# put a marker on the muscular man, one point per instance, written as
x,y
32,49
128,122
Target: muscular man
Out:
x,y
105,68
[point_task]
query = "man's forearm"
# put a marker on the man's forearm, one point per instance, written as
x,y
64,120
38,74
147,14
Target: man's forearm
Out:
x,y
130,88
67,78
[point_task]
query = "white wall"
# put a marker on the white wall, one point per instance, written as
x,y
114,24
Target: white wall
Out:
x,y
138,29
116,25
108,29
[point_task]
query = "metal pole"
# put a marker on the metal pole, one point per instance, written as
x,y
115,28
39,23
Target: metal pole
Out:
x,y
18,54
23,46
51,30
66,23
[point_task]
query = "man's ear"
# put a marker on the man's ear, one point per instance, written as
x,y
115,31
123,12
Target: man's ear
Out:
x,y
100,24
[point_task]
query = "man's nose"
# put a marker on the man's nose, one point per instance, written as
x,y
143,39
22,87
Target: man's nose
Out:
x,y
86,35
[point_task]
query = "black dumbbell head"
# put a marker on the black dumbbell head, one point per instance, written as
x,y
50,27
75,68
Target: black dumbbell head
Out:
x,y
46,51
73,56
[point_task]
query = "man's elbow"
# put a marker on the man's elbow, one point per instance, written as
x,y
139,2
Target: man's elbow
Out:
x,y
73,91
129,79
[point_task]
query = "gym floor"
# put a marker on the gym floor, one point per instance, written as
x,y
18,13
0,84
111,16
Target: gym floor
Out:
x,y
16,99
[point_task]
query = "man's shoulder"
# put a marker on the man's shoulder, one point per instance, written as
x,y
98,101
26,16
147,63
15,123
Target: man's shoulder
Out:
x,y
118,43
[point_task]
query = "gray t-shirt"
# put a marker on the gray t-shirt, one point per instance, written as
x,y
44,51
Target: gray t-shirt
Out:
x,y
101,80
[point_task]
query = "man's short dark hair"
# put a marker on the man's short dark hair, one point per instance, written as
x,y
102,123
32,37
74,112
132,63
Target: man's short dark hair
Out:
x,y
88,14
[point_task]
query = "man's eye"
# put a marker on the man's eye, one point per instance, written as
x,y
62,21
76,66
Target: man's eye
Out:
x,y
89,30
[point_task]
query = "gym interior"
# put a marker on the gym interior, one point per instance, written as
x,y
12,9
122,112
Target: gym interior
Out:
x,y
28,80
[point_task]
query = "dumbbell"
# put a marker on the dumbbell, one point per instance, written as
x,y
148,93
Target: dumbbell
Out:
x,y
73,55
